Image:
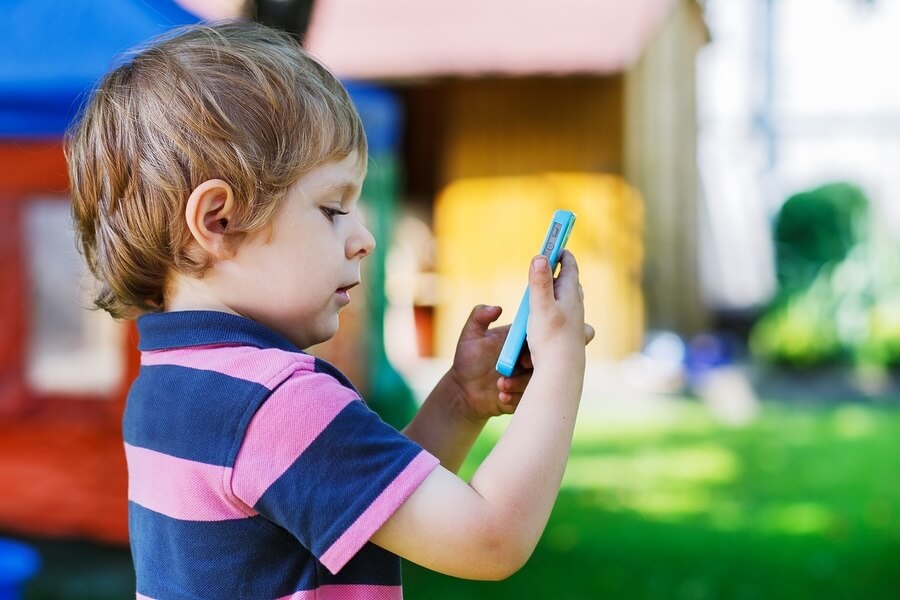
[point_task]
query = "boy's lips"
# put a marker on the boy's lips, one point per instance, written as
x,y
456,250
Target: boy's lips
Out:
x,y
343,293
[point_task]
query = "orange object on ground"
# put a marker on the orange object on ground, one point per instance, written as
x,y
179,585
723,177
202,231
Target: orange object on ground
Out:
x,y
64,478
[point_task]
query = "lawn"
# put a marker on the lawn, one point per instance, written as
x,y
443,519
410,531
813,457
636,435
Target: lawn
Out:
x,y
804,503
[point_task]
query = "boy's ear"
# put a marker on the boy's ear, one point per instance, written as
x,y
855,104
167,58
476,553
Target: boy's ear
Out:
x,y
208,212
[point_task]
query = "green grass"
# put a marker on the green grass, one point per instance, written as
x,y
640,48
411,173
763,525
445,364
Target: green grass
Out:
x,y
804,503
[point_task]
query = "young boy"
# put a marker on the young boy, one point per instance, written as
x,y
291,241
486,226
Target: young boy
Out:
x,y
215,179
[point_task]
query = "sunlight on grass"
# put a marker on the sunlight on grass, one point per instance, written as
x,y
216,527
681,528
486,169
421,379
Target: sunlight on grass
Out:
x,y
654,482
681,416
853,422
688,465
668,504
797,519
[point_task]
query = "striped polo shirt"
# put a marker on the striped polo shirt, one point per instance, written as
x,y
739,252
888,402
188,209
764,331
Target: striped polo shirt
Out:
x,y
255,470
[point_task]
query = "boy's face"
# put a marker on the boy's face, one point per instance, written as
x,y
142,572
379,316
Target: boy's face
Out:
x,y
296,277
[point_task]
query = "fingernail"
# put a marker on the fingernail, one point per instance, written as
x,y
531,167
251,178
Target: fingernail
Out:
x,y
539,264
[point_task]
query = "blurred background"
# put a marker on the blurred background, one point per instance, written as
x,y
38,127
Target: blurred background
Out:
x,y
733,165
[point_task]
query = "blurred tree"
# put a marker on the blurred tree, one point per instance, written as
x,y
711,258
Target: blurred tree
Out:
x,y
814,229
839,284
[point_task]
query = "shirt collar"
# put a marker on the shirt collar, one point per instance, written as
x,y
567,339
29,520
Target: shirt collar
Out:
x,y
180,329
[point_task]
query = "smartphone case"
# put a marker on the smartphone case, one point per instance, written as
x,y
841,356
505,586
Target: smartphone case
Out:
x,y
554,242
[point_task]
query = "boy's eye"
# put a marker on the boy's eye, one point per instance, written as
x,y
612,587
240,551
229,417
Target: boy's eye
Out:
x,y
331,213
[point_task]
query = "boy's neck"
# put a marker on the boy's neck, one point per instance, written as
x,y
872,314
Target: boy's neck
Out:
x,y
189,293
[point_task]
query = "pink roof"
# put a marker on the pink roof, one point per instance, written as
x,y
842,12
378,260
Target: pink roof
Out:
x,y
395,39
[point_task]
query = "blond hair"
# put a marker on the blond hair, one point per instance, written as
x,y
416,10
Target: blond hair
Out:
x,y
235,101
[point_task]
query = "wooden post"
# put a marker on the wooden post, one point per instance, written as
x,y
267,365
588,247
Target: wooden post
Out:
x,y
661,161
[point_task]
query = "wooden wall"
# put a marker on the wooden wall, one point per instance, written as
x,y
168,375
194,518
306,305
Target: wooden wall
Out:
x,y
513,151
498,127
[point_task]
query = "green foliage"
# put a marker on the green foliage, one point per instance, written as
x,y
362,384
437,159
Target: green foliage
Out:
x,y
839,285
882,344
815,229
800,331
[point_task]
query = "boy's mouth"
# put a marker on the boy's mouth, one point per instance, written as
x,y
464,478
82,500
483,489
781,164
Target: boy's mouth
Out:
x,y
343,293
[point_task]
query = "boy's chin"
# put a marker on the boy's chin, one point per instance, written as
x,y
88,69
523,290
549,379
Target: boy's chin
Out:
x,y
308,339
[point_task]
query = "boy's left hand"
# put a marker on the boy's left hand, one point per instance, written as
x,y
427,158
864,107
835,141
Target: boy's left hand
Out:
x,y
485,393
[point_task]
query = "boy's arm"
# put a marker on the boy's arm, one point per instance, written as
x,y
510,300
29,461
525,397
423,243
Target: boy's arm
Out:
x,y
442,428
488,528
455,412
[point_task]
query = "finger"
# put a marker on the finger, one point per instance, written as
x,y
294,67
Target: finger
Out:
x,y
479,320
588,333
515,384
568,272
540,284
509,402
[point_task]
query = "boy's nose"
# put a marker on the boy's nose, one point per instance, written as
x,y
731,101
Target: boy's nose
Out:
x,y
361,244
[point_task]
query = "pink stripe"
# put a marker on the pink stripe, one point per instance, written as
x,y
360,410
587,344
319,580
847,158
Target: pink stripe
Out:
x,y
390,499
284,426
349,592
180,488
338,592
267,367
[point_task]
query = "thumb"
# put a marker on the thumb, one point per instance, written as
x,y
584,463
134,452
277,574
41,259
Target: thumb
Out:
x,y
479,320
540,283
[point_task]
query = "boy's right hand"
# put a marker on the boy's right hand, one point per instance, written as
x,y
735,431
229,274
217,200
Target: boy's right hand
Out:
x,y
556,321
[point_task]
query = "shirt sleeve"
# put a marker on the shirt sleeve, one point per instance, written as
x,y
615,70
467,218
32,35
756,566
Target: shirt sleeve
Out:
x,y
321,464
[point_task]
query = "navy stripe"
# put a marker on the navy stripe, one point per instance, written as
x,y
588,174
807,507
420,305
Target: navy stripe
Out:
x,y
322,366
190,413
337,477
372,565
184,329
243,558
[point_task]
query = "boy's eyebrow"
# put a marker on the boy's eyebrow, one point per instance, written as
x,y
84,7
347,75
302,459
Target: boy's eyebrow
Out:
x,y
344,188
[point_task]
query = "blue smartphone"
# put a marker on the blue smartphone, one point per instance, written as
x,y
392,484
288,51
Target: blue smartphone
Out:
x,y
554,242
